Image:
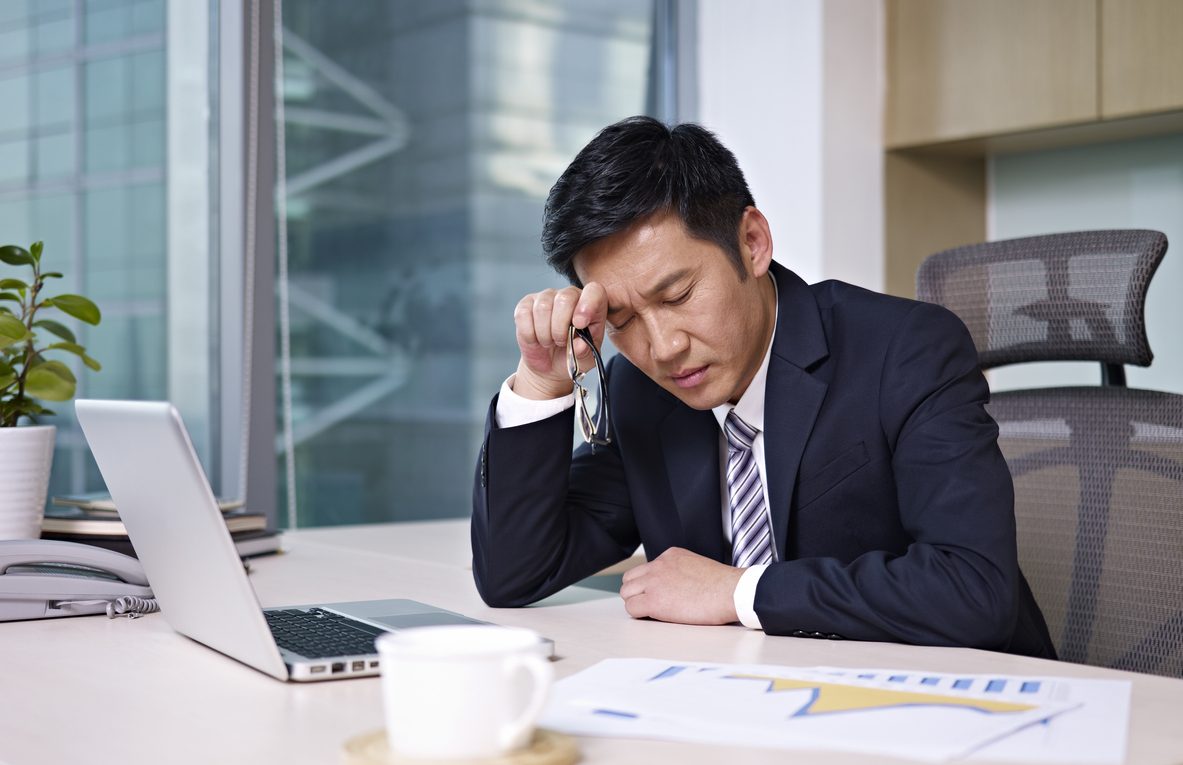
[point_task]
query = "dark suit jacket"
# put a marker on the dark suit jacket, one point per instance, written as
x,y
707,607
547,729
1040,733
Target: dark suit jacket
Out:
x,y
892,507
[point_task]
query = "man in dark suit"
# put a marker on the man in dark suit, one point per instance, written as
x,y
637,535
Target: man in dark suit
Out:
x,y
807,460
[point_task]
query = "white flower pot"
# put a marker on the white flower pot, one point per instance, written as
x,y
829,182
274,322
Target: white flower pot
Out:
x,y
26,454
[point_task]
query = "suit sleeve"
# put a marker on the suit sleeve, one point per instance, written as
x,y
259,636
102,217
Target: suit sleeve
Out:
x,y
958,581
543,518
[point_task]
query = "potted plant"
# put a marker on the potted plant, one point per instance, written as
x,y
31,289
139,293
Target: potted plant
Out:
x,y
30,374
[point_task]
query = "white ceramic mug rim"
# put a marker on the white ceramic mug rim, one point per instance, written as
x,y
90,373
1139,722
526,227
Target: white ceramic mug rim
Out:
x,y
477,641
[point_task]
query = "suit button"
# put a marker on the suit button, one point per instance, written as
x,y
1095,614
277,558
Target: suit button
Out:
x,y
799,633
834,636
817,634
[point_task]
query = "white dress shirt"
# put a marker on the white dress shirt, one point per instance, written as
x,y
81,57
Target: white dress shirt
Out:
x,y
514,410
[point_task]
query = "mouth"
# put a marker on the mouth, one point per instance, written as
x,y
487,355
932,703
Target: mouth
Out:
x,y
690,377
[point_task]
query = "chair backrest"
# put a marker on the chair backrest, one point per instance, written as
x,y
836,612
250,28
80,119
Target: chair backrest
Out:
x,y
1078,296
1098,471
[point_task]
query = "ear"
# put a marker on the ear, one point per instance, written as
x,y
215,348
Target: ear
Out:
x,y
755,241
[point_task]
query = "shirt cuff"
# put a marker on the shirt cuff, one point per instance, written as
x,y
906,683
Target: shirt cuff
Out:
x,y
514,410
745,597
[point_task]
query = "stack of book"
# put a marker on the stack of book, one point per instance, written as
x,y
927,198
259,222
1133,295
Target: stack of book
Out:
x,y
93,519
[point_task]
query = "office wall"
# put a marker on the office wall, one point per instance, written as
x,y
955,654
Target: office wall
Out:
x,y
1128,184
795,89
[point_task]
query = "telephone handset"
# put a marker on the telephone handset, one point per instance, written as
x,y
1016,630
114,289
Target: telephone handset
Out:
x,y
41,578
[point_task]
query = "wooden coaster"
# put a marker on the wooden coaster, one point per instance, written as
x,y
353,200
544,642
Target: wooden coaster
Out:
x,y
547,748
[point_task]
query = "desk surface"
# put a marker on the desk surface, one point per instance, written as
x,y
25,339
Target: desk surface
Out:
x,y
89,689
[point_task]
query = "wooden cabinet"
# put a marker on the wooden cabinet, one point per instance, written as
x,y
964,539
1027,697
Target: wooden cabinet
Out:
x,y
1141,57
968,79
932,202
959,69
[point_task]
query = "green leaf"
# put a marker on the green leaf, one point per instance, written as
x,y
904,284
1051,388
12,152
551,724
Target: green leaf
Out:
x,y
78,351
73,348
77,306
35,250
6,380
52,381
9,296
6,368
11,330
61,330
52,275
16,256
28,407
12,284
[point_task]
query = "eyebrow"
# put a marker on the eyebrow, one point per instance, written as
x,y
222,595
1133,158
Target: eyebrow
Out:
x,y
666,282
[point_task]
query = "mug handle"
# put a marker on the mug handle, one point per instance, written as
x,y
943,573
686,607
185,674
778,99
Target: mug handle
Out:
x,y
542,673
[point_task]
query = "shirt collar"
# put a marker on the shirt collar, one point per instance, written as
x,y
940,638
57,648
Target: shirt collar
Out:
x,y
750,407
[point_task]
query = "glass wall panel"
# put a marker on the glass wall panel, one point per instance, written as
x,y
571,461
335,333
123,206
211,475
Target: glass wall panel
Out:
x,y
83,167
421,140
1123,184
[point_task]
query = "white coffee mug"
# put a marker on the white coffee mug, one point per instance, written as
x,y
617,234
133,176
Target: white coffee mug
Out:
x,y
462,690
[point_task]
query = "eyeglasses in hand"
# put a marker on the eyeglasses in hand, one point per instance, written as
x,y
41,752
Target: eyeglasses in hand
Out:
x,y
593,422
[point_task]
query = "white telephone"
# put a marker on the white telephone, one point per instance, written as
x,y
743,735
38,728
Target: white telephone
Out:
x,y
41,578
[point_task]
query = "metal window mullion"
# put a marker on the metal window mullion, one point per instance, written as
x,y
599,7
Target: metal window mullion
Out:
x,y
229,404
259,319
188,324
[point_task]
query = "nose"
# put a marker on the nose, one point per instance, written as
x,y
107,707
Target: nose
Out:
x,y
666,341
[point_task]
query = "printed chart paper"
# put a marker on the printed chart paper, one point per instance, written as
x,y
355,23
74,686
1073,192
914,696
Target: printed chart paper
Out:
x,y
928,716
1094,733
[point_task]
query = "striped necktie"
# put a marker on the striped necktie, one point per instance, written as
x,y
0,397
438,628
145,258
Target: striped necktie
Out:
x,y
751,536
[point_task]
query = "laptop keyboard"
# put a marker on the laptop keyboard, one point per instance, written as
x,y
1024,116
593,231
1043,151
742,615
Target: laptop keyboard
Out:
x,y
320,634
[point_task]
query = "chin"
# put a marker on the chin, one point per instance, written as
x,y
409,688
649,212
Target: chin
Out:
x,y
702,400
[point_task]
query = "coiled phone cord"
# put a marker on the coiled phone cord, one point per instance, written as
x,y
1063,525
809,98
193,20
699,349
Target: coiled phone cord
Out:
x,y
131,606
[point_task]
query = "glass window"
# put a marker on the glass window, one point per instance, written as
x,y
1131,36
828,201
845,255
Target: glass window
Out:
x,y
14,41
421,140
14,161
106,90
14,93
91,185
55,156
54,34
54,98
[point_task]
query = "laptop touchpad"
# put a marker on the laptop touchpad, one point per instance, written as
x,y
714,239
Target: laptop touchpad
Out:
x,y
402,621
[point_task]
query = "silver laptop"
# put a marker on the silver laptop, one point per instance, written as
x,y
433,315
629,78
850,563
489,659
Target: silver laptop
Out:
x,y
173,521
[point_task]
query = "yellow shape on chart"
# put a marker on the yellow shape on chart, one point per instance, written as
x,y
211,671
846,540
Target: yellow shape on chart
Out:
x,y
832,697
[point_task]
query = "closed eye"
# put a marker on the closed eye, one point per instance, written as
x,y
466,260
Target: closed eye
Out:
x,y
680,299
619,326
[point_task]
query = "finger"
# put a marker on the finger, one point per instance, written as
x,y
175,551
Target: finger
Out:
x,y
523,324
634,573
638,606
543,306
631,589
592,310
561,315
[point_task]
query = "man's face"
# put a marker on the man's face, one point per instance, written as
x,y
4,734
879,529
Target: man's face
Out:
x,y
678,310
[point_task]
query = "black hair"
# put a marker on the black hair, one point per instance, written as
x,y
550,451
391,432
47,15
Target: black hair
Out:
x,y
639,167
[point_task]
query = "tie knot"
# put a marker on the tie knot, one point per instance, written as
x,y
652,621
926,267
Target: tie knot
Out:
x,y
739,434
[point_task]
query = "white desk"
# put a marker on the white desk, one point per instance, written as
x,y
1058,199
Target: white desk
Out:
x,y
93,690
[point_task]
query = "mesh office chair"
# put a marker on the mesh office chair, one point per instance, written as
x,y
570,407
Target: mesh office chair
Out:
x,y
1098,471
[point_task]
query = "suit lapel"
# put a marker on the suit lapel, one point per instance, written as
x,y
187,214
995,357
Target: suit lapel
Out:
x,y
793,396
690,444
